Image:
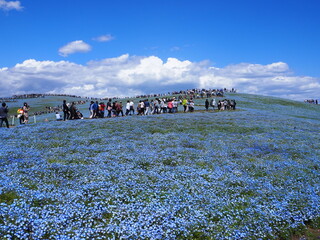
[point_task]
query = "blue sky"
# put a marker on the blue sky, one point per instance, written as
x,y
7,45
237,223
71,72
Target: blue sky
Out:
x,y
214,36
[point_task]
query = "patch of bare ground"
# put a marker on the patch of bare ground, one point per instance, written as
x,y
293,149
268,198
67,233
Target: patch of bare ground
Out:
x,y
311,234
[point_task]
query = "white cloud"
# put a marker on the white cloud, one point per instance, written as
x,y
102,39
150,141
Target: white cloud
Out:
x,y
74,47
104,38
133,75
10,5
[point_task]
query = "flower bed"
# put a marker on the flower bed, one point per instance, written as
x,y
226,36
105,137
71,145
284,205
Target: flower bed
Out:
x,y
246,174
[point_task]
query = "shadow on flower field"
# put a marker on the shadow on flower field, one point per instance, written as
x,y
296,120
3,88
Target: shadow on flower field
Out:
x,y
248,174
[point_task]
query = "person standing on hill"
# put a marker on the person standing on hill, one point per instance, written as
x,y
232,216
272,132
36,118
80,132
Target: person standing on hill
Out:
x,y
207,104
233,104
191,106
91,109
174,105
102,107
95,109
146,107
20,115
26,109
65,110
156,106
131,107
73,111
109,108
4,114
163,106
170,105
114,109
127,108
140,108
119,109
185,104
213,103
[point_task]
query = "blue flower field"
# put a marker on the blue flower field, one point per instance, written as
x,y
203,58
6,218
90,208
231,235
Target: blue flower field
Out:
x,y
252,173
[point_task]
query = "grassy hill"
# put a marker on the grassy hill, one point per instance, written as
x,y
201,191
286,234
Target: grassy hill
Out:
x,y
253,173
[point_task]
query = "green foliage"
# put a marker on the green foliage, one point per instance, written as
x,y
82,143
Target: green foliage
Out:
x,y
8,197
170,162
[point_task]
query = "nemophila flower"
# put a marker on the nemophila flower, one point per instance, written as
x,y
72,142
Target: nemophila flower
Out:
x,y
238,175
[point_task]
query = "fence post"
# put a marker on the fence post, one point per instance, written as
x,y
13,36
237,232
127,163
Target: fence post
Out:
x,y
12,124
34,119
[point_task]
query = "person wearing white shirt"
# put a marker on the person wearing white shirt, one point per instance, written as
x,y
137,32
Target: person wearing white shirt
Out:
x,y
127,108
58,117
131,108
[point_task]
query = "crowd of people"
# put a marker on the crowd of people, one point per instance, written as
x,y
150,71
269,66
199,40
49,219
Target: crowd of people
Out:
x,y
153,106
23,114
42,95
70,112
114,107
311,101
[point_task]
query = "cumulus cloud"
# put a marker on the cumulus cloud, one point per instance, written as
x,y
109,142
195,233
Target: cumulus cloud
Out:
x,y
133,75
10,5
74,47
104,38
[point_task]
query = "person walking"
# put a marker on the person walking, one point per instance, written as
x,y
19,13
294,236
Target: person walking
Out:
x,y
185,104
95,109
140,108
119,109
4,114
131,107
191,106
102,107
156,106
127,108
146,107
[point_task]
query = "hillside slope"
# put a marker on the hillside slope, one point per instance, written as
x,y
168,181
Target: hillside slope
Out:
x,y
252,173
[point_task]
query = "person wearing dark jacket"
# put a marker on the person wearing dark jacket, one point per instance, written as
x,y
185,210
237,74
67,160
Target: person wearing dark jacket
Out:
x,y
65,109
207,104
4,114
73,111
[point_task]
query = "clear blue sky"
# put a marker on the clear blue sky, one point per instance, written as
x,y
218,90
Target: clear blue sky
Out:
x,y
223,32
